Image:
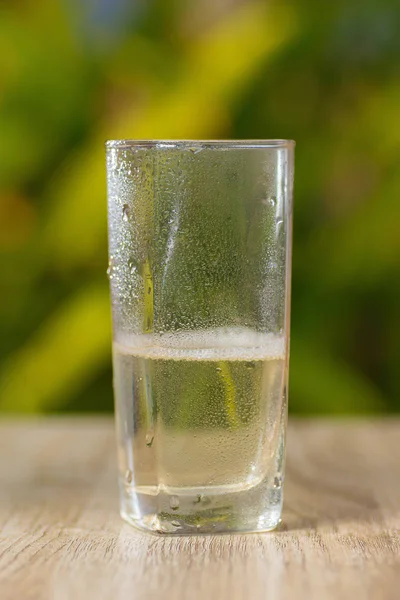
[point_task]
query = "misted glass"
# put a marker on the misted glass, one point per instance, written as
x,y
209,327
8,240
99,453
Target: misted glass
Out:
x,y
199,269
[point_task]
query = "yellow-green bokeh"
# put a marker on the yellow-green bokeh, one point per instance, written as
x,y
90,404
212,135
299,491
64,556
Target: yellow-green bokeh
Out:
x,y
75,74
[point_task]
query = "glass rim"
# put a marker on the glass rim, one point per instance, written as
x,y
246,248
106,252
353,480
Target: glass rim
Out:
x,y
199,144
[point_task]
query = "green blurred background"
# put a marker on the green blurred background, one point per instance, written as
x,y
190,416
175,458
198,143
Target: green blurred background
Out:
x,y
76,72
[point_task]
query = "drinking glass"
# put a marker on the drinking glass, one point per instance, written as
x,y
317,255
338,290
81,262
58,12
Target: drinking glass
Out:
x,y
199,266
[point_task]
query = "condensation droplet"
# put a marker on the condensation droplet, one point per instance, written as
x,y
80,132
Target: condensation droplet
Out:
x,y
174,502
175,523
110,268
277,482
125,212
218,369
128,477
132,268
149,439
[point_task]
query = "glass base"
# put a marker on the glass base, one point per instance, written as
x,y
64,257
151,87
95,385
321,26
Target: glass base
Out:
x,y
185,511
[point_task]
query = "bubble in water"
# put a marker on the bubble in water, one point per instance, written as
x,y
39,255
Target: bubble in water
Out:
x,y
174,502
269,201
175,523
277,482
149,439
195,150
218,369
125,212
128,477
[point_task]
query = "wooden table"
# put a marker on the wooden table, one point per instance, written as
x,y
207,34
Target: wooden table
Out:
x,y
61,536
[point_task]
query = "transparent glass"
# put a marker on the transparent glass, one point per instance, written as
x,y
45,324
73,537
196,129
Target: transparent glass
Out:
x,y
199,269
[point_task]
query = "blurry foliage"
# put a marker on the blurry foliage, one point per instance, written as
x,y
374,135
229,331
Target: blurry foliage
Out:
x,y
74,74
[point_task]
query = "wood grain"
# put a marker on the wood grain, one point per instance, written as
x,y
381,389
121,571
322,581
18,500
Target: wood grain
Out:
x,y
61,536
